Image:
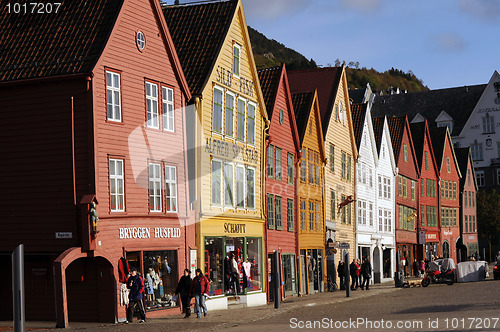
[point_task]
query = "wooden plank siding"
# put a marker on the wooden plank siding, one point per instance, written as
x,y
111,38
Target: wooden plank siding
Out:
x,y
340,134
468,215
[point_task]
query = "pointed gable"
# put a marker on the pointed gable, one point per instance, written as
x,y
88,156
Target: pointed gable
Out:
x,y
378,131
272,82
418,135
198,32
464,159
441,141
326,81
396,129
302,105
358,112
34,46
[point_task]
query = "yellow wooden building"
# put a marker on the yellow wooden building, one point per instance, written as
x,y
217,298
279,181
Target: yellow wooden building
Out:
x,y
341,154
311,226
230,121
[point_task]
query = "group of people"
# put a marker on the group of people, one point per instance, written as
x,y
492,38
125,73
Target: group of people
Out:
x,y
360,274
187,288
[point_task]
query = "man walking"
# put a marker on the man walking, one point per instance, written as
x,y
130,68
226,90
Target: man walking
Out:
x,y
353,268
199,289
136,285
366,270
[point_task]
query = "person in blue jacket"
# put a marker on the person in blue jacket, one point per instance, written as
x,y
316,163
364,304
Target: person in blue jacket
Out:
x,y
136,285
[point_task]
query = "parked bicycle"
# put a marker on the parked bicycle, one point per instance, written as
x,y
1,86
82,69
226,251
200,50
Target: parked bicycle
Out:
x,y
331,286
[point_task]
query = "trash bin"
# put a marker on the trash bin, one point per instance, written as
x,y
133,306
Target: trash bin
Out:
x,y
398,279
376,278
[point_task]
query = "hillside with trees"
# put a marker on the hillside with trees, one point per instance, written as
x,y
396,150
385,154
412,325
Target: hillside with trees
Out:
x,y
270,53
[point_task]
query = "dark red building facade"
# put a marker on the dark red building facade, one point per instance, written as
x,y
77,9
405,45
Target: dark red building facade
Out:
x,y
428,200
97,116
407,191
282,155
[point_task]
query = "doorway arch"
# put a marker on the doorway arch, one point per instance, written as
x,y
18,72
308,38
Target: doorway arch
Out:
x,y
376,265
446,249
90,288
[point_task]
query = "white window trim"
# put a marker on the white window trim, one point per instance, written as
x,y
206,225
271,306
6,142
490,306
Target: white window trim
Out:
x,y
246,189
157,184
166,112
240,166
254,105
224,184
239,60
235,106
244,139
221,183
115,178
478,175
152,99
114,89
170,182
216,87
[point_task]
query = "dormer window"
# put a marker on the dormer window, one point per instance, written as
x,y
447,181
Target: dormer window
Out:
x,y
236,59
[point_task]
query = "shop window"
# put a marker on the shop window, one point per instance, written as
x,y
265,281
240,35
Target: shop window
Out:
x,y
254,257
160,272
214,264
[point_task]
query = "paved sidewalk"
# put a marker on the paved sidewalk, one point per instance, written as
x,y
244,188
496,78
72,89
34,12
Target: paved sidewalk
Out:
x,y
219,319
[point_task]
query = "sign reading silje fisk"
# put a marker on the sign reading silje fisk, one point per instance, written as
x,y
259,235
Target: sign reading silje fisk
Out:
x,y
225,76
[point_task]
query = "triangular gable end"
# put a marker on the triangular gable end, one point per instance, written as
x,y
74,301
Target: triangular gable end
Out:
x,y
291,112
431,150
239,17
387,136
418,118
412,147
449,145
443,116
343,86
317,114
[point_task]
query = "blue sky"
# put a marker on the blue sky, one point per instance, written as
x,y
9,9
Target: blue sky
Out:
x,y
446,43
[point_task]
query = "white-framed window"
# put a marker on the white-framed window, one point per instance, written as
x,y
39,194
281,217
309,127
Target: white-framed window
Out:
x,y
387,220
217,110
270,212
116,185
362,212
370,213
171,188
278,209
113,96
216,178
152,105
250,188
380,220
279,164
168,109
229,120
236,59
448,165
290,168
228,185
154,187
270,161
380,187
488,124
251,123
476,150
480,178
240,121
240,186
290,215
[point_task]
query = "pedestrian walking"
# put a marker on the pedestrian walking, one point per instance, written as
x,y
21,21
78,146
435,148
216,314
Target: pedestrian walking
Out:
x,y
366,271
341,273
136,285
422,267
199,289
416,268
354,274
183,289
358,272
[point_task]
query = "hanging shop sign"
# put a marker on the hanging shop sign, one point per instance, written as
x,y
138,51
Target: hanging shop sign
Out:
x,y
146,232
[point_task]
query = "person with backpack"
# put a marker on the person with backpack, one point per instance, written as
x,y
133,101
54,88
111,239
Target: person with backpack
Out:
x,y
136,285
199,289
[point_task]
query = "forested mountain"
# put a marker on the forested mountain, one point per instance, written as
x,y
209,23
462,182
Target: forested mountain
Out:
x,y
270,53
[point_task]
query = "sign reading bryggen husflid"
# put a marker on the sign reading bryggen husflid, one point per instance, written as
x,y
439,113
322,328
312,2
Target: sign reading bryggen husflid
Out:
x,y
227,136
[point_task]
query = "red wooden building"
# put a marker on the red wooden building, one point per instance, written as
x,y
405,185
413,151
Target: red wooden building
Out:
x,y
406,191
428,200
449,196
468,243
282,155
96,98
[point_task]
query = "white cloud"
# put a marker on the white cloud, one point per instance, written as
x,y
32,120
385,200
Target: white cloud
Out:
x,y
488,10
447,42
272,9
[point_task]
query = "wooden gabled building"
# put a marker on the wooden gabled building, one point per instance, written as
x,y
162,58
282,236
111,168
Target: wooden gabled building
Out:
x,y
282,156
468,243
227,142
342,154
100,94
448,191
311,222
406,192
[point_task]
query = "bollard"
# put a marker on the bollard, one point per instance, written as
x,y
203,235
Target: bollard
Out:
x,y
18,288
277,279
347,276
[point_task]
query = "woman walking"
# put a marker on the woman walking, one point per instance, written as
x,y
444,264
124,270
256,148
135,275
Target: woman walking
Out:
x,y
183,289
199,288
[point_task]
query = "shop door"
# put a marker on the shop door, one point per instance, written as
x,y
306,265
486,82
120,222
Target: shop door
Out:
x,y
319,270
311,271
289,274
303,273
446,249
